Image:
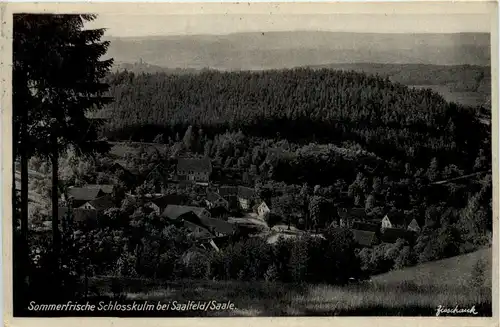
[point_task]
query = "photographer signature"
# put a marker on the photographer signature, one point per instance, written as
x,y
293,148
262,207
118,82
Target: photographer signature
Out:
x,y
456,310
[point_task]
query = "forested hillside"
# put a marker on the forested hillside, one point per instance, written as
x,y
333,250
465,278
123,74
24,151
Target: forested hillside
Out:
x,y
300,105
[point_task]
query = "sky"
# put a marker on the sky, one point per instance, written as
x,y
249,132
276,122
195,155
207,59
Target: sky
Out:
x,y
129,25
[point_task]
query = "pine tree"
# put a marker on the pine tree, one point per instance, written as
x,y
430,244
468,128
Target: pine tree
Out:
x,y
64,81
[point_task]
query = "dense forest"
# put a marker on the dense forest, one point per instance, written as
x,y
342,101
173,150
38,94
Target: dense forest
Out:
x,y
300,105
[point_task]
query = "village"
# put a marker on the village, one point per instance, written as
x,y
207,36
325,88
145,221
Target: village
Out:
x,y
223,211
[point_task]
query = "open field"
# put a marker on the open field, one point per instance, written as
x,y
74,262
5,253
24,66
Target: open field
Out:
x,y
277,299
415,291
454,271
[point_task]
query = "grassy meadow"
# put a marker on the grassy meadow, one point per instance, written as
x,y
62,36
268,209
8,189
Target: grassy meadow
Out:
x,y
415,291
277,299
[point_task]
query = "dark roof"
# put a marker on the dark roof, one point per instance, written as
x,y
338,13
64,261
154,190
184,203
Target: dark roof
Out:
x,y
212,197
363,237
246,192
194,164
212,224
84,193
228,190
391,235
175,211
106,188
219,225
366,226
198,232
163,201
102,203
413,225
352,213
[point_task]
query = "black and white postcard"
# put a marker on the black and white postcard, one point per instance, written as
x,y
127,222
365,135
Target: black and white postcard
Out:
x,y
250,160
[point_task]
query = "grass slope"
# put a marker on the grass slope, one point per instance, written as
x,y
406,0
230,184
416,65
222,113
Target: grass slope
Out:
x,y
415,291
455,271
260,298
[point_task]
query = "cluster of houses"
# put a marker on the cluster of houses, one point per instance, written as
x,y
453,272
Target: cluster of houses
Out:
x,y
369,232
210,223
205,224
85,203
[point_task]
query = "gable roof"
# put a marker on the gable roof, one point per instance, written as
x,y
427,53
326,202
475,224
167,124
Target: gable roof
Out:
x,y
194,164
212,197
197,231
106,188
102,203
175,211
246,192
391,235
84,193
413,225
396,218
366,226
364,238
169,199
262,203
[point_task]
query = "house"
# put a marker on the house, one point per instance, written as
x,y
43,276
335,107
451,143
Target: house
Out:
x,y
391,235
219,227
175,212
413,226
159,203
364,238
194,169
246,196
214,200
100,204
386,223
81,195
197,232
263,210
196,216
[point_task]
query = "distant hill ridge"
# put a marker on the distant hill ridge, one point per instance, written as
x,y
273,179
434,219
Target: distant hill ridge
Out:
x,y
275,50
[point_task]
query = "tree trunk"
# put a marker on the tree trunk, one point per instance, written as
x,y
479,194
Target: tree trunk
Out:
x,y
56,235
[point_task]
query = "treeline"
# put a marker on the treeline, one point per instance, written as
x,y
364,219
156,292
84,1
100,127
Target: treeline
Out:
x,y
301,105
137,244
458,78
